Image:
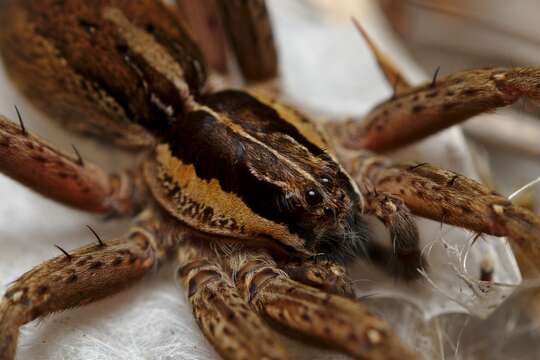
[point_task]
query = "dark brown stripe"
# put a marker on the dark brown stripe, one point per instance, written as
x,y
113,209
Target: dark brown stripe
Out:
x,y
256,118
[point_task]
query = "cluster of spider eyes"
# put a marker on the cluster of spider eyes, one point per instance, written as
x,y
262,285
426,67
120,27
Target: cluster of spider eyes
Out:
x,y
314,197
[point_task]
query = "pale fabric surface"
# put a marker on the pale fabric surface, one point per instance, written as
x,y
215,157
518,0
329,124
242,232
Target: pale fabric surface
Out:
x,y
328,69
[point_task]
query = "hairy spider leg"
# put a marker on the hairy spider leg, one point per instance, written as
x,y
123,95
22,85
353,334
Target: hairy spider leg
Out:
x,y
64,177
224,317
446,196
81,276
415,112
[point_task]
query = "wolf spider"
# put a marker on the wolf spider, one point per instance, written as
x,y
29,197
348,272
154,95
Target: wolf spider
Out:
x,y
261,207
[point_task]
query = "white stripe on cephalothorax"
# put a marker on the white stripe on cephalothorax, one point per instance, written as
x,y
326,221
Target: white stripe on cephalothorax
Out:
x,y
237,129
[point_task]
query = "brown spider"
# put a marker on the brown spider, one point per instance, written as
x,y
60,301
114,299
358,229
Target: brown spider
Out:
x,y
261,207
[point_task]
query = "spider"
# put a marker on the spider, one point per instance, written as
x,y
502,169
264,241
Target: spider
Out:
x,y
261,207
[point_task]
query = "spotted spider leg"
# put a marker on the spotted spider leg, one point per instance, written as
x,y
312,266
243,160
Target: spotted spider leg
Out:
x,y
227,284
223,316
82,276
337,321
414,112
325,275
446,196
68,179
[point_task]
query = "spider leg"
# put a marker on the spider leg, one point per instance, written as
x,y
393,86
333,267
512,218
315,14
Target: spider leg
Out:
x,y
223,316
431,107
321,274
415,112
68,179
448,197
403,259
249,30
337,321
81,276
243,26
203,18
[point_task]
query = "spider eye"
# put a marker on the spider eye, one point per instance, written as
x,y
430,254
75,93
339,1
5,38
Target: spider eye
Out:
x,y
326,181
313,197
328,211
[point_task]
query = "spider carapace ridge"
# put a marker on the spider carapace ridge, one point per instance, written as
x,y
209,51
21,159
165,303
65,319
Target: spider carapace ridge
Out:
x,y
261,207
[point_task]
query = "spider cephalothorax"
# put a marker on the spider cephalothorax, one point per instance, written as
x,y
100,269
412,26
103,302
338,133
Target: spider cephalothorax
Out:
x,y
254,174
259,207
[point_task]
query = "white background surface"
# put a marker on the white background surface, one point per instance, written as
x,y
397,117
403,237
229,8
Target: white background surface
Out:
x,y
325,66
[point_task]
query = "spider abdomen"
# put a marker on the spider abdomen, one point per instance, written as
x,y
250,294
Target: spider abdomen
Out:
x,y
85,63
